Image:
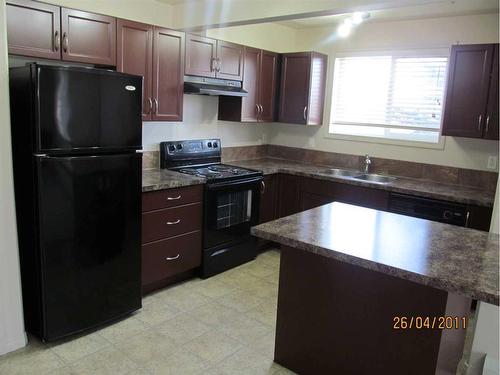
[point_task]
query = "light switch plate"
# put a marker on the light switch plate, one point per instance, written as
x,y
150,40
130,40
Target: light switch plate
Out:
x,y
492,162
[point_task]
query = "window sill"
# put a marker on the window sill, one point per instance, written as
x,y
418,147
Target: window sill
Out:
x,y
387,141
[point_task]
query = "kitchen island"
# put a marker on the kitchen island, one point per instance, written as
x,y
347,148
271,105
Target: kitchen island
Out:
x,y
366,291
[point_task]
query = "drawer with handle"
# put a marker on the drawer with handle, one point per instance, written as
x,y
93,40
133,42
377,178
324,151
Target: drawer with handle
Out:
x,y
156,200
169,257
171,222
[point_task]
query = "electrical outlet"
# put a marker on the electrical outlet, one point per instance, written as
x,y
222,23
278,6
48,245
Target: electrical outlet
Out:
x,y
312,142
492,162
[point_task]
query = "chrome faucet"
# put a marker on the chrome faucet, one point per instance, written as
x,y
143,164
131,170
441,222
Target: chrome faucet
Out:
x,y
367,163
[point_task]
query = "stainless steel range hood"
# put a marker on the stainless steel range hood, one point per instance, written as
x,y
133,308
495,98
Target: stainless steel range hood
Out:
x,y
212,86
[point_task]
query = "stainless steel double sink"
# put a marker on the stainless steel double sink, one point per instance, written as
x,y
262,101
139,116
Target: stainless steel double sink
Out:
x,y
356,175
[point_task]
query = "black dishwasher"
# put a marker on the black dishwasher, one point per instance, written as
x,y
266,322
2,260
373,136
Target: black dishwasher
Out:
x,y
429,209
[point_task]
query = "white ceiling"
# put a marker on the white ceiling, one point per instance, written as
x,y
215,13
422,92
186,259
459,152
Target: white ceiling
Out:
x,y
445,9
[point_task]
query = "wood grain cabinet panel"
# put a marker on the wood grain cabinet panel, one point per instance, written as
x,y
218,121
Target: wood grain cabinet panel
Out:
x,y
268,198
268,85
288,195
168,74
169,257
200,56
250,109
260,77
229,61
88,37
468,85
135,56
33,29
491,126
302,92
156,200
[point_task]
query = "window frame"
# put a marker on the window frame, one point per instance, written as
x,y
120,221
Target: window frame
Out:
x,y
414,52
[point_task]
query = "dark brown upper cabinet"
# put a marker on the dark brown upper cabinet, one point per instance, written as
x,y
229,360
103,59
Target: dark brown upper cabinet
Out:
x,y
135,56
302,93
200,56
88,37
157,54
471,107
33,29
46,31
168,74
229,61
213,58
260,77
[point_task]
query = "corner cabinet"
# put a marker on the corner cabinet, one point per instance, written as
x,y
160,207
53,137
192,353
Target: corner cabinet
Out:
x,y
471,107
157,54
45,31
211,58
302,93
260,80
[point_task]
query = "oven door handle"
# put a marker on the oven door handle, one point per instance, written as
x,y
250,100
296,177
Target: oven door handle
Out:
x,y
238,183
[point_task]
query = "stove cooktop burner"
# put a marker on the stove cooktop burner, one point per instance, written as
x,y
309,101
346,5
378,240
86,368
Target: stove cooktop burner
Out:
x,y
218,171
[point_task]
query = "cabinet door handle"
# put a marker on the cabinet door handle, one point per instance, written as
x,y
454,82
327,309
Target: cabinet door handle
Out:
x,y
65,42
150,101
262,187
479,122
467,219
487,124
156,106
305,113
219,64
261,109
258,109
173,258
212,64
57,40
174,222
174,198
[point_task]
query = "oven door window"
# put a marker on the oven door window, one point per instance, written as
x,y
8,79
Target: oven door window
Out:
x,y
233,208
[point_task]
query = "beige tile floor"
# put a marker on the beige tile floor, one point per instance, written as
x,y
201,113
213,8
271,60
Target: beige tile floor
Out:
x,y
223,325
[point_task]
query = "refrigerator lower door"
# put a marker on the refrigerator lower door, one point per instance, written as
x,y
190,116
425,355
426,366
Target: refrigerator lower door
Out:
x,y
89,233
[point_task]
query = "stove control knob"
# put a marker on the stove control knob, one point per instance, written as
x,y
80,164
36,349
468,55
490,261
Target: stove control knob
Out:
x,y
171,148
179,147
215,144
209,144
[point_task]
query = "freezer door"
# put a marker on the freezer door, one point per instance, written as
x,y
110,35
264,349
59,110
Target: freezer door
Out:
x,y
89,233
82,109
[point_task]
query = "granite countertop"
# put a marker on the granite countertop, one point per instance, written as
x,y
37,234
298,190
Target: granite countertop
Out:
x,y
419,187
158,179
455,259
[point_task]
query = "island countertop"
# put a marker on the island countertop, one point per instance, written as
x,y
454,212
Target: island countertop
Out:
x,y
455,259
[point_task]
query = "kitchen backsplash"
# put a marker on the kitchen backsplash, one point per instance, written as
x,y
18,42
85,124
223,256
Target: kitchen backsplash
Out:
x,y
437,173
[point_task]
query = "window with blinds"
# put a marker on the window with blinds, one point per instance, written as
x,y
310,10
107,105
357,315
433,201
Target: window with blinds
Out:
x,y
393,97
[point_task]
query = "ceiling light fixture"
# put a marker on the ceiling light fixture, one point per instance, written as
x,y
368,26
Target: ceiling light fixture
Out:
x,y
357,18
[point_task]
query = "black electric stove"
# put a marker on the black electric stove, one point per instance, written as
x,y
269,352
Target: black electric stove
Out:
x,y
231,201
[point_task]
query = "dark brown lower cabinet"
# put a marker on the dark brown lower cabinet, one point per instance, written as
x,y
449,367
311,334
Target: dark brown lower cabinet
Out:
x,y
288,194
268,199
171,235
294,194
314,193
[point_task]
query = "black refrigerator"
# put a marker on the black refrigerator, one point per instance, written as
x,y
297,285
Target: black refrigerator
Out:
x,y
77,178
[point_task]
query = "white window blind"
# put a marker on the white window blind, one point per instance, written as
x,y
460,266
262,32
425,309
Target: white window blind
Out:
x,y
389,96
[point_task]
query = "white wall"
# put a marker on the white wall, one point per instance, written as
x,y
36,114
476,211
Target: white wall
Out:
x,y
408,34
271,36
148,11
200,121
11,312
